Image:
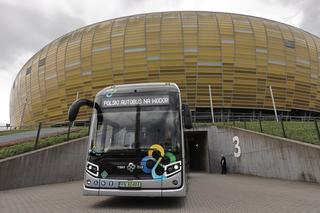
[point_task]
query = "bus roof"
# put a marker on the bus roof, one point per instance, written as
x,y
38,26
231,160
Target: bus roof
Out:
x,y
142,87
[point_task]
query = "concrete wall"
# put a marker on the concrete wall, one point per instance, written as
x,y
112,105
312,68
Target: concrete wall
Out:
x,y
263,155
58,163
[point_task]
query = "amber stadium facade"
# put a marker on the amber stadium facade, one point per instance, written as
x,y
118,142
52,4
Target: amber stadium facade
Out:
x,y
239,56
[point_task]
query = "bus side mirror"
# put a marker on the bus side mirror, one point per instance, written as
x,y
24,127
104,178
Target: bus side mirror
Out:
x,y
186,116
75,107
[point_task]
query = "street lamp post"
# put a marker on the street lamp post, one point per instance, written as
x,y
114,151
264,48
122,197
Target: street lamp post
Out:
x,y
273,103
211,106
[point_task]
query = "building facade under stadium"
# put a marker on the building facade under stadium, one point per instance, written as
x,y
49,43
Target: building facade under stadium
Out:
x,y
239,56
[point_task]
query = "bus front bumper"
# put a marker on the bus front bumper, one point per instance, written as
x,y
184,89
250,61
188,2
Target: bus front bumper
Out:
x,y
181,192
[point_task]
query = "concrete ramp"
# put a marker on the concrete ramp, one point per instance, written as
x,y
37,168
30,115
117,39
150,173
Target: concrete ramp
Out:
x,y
59,163
262,155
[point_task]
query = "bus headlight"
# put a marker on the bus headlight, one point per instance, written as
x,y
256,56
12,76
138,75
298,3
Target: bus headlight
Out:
x,y
172,168
92,169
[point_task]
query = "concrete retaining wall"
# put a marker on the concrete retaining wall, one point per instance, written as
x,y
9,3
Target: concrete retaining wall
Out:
x,y
58,163
263,155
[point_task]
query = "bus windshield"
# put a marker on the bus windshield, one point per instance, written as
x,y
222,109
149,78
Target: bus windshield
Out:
x,y
136,128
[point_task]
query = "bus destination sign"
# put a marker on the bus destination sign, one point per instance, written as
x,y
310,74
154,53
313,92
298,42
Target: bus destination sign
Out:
x,y
133,101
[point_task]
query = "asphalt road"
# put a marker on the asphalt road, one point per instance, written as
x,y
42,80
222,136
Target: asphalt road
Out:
x,y
207,193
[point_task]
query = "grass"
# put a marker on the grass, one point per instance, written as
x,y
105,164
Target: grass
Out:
x,y
304,131
9,132
29,145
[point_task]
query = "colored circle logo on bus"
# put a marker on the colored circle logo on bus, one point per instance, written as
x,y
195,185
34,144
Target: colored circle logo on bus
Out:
x,y
156,160
110,92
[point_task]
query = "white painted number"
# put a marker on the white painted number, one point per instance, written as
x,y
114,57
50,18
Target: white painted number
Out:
x,y
236,146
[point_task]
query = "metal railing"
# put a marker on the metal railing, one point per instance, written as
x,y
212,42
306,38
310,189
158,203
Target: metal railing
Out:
x,y
226,117
31,137
301,128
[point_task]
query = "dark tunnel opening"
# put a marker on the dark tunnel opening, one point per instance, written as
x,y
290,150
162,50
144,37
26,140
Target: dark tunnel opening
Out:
x,y
197,151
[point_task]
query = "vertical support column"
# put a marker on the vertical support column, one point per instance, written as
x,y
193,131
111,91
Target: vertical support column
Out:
x,y
69,128
72,124
317,129
260,124
38,136
273,103
211,106
283,130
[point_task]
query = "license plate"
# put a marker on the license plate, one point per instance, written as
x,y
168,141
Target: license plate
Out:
x,y
129,184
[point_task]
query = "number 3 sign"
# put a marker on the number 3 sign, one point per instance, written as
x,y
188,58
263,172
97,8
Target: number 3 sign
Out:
x,y
236,143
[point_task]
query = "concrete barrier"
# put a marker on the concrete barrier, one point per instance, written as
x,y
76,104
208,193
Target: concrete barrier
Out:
x,y
263,155
59,163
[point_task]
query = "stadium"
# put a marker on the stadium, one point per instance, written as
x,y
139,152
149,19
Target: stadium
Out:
x,y
239,56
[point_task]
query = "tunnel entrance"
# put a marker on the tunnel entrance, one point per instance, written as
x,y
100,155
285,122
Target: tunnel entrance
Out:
x,y
197,151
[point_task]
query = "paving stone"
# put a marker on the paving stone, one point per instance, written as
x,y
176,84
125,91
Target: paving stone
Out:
x,y
207,193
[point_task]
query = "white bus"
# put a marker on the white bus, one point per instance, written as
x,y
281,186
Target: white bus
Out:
x,y
136,141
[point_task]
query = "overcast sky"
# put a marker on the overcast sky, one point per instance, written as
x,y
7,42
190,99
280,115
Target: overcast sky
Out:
x,y
28,25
